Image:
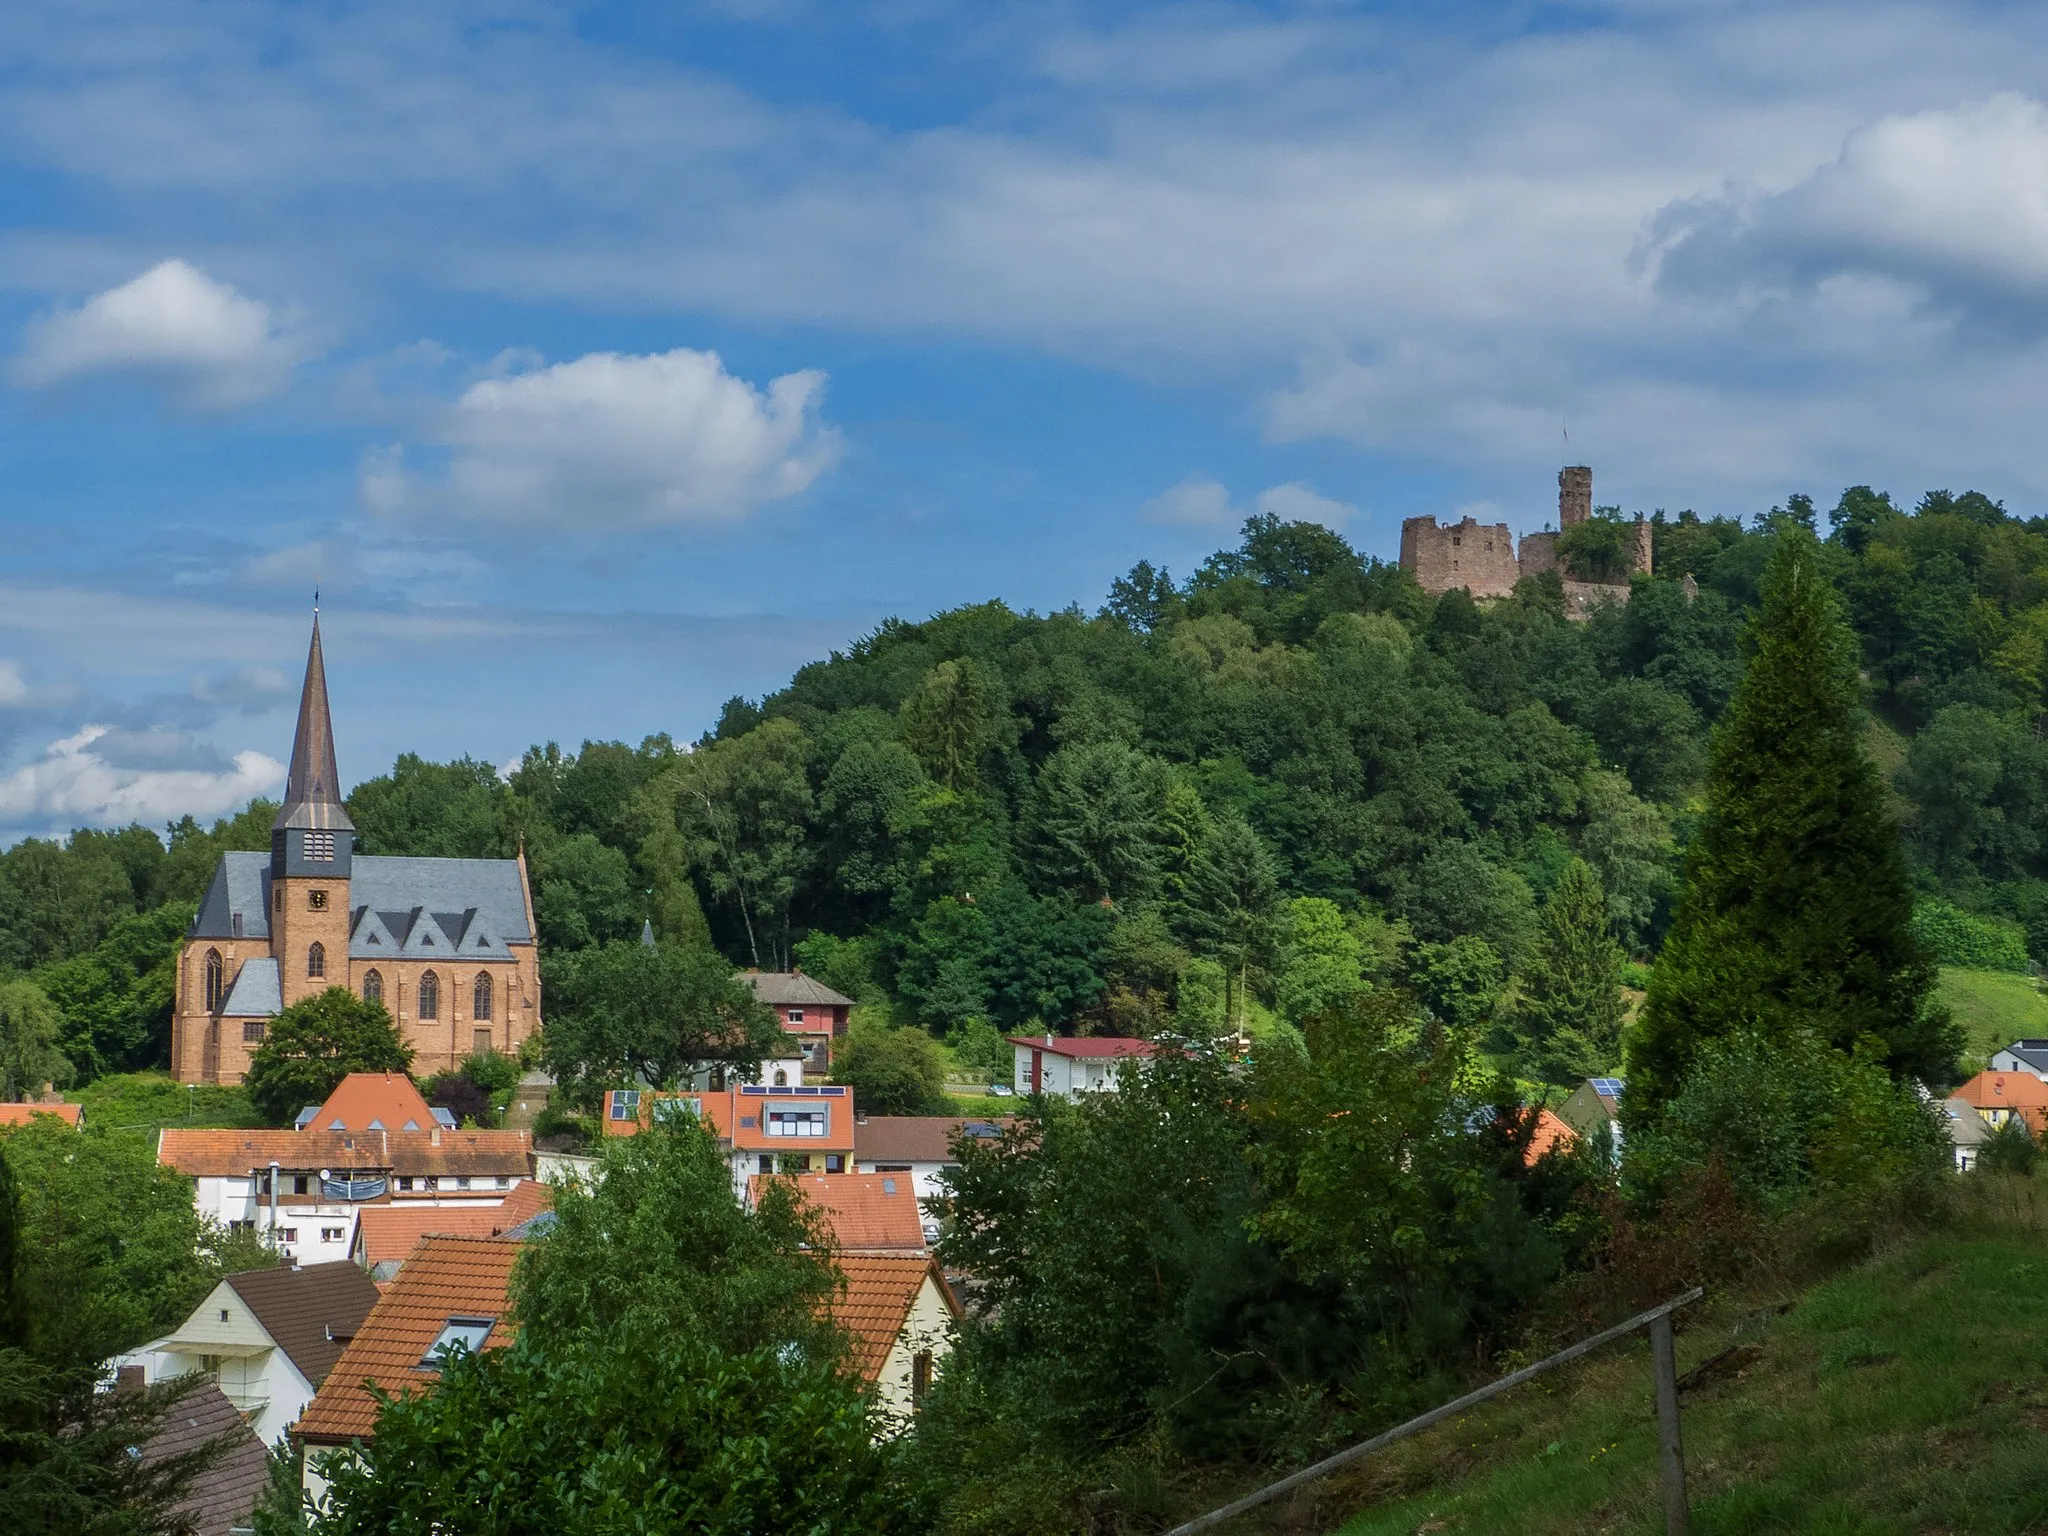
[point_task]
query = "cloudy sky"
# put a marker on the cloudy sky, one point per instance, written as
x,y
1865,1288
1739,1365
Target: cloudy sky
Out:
x,y
602,361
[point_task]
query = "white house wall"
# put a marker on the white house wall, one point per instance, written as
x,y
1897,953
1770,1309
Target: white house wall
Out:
x,y
927,1330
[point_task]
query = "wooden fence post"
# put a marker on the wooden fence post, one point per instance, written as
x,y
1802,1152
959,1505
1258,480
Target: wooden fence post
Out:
x,y
1670,1446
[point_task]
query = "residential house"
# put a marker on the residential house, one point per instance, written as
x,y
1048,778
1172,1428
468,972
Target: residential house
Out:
x,y
2023,1056
1064,1067
221,1500
1967,1131
387,1235
1595,1102
374,1101
802,1129
919,1145
867,1212
452,1290
302,1190
20,1114
268,1338
1552,1135
899,1313
1999,1096
807,1009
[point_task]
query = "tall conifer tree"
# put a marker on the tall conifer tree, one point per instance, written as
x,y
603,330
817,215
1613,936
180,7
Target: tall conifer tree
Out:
x,y
1568,1019
1796,909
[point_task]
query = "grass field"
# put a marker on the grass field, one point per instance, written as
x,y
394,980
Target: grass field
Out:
x,y
1909,1395
1994,1008
145,1102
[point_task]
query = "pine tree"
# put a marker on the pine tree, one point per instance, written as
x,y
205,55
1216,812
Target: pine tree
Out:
x,y
1568,1019
1796,909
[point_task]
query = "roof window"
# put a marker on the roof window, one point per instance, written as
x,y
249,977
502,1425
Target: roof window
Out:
x,y
466,1334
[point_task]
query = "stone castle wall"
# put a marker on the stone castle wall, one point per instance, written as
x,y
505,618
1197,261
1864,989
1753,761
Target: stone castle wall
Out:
x,y
1477,556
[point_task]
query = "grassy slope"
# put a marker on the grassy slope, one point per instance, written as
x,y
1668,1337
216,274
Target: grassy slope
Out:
x,y
1994,1008
144,1102
1907,1395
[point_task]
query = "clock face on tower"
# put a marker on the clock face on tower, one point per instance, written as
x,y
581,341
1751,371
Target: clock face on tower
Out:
x,y
316,901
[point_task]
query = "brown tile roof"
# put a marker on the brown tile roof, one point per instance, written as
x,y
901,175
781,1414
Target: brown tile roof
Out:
x,y
387,1097
866,1211
218,1154
912,1138
312,1312
446,1277
390,1232
222,1496
20,1114
880,1290
1083,1046
785,989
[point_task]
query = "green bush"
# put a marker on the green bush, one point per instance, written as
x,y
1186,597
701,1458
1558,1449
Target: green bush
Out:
x,y
1956,937
2010,1149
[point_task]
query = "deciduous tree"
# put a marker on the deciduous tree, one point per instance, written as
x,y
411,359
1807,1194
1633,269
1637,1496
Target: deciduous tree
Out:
x,y
312,1045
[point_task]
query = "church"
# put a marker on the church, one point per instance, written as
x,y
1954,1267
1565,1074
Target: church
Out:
x,y
447,945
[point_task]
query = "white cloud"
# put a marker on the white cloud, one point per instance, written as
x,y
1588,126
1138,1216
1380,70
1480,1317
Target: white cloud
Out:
x,y
614,441
13,689
1190,504
1199,503
1953,202
72,784
1298,502
212,347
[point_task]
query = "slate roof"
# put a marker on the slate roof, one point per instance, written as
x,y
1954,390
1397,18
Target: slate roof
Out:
x,y
256,993
2033,1052
1966,1128
1083,1046
311,1312
21,1114
793,989
374,1101
232,1154
312,787
880,1290
483,895
222,1496
867,1212
915,1138
446,1277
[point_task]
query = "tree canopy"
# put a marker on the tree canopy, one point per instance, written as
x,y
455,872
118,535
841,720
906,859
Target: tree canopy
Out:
x,y
316,1042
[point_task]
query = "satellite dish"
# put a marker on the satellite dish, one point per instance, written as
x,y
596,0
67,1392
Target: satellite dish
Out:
x,y
325,1174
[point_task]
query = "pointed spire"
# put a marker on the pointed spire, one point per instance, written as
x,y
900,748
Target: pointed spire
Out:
x,y
312,791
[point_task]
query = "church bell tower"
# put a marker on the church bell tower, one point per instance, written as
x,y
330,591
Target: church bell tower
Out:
x,y
312,843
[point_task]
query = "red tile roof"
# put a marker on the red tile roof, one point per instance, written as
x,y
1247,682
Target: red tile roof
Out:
x,y
1088,1045
2019,1091
880,1290
527,1200
386,1097
232,1154
391,1232
1551,1134
866,1211
20,1114
446,1277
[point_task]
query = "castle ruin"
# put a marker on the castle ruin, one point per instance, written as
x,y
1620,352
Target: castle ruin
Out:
x,y
1481,557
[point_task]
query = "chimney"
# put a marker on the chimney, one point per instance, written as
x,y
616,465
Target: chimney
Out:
x,y
1574,495
128,1379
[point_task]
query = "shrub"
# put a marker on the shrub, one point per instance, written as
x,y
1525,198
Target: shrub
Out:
x,y
2010,1149
1956,937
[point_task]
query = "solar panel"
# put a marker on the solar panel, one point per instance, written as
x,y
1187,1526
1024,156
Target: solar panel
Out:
x,y
1608,1087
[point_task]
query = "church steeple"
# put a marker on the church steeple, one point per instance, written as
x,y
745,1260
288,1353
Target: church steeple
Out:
x,y
312,791
312,835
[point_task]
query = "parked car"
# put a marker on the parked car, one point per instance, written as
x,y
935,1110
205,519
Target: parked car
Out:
x,y
1001,1090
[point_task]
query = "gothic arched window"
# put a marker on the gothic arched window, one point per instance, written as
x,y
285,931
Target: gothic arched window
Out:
x,y
430,996
216,981
316,959
480,999
373,986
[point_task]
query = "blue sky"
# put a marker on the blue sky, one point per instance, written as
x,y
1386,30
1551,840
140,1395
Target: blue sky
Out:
x,y
603,361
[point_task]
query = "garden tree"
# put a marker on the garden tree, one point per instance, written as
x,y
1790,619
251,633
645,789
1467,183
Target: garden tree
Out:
x,y
742,805
312,1045
653,1431
950,721
29,1054
1796,910
1322,962
110,1251
1095,821
655,1243
1567,1019
654,1013
893,1070
1233,904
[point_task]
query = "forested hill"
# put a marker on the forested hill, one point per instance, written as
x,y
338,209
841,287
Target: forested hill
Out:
x,y
1202,798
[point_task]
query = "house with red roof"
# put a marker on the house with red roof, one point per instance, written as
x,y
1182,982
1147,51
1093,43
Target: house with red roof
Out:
x,y
806,1128
866,1212
374,1101
21,1114
1065,1066
2002,1096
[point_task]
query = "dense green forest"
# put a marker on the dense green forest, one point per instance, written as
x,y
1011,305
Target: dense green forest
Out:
x,y
1202,802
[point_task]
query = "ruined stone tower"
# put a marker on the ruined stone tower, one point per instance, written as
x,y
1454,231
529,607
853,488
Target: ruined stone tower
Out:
x,y
1574,495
